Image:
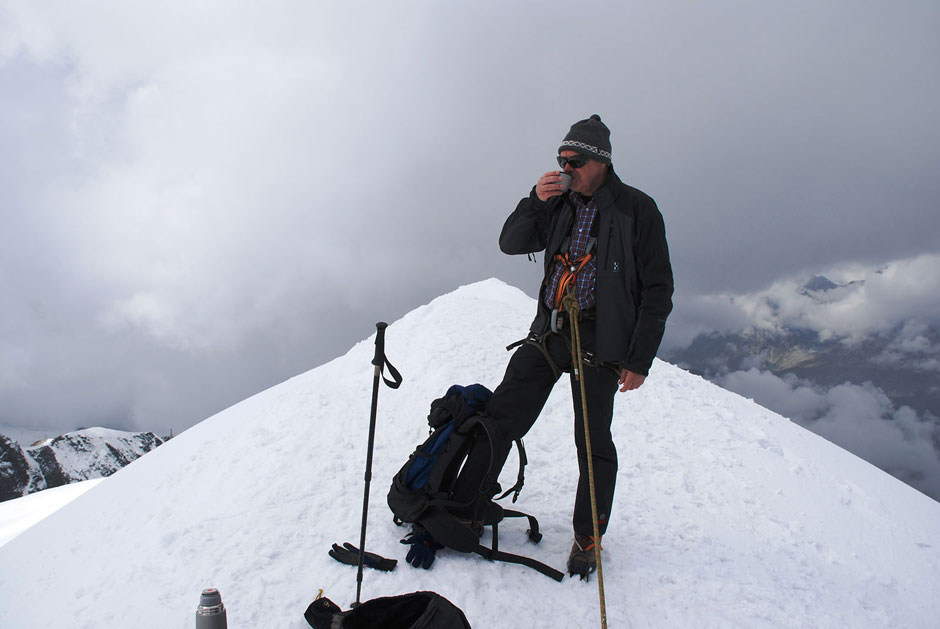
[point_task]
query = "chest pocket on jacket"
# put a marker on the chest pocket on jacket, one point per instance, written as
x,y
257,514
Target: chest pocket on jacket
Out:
x,y
614,254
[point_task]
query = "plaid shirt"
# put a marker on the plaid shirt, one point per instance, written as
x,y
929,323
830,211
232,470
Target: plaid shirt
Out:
x,y
585,281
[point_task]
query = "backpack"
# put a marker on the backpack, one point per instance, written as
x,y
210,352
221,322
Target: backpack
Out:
x,y
419,610
422,491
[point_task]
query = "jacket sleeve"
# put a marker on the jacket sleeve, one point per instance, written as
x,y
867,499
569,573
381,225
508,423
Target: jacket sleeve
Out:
x,y
525,231
655,281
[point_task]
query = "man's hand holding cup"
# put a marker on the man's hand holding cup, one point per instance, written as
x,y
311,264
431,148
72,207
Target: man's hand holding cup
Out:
x,y
552,184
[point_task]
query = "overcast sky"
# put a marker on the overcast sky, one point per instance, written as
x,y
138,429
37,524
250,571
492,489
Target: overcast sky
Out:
x,y
199,200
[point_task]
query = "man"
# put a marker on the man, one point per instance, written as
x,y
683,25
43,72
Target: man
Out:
x,y
614,236
624,292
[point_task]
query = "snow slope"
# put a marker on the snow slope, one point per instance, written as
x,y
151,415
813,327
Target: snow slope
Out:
x,y
19,514
727,515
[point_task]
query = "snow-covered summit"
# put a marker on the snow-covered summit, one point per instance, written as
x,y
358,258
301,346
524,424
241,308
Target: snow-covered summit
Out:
x,y
726,514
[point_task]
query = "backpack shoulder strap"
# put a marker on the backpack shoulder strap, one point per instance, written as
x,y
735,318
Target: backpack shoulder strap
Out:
x,y
498,555
520,478
449,531
495,554
493,433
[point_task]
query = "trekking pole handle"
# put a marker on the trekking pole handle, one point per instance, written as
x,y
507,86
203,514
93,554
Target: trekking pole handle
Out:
x,y
379,359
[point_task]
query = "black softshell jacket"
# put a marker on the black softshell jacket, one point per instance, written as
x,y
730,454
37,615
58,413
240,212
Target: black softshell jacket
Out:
x,y
634,276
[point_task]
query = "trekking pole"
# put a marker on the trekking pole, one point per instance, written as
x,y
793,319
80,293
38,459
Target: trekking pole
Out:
x,y
570,303
379,362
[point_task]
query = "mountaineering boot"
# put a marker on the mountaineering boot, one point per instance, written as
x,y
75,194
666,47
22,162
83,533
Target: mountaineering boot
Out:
x,y
581,561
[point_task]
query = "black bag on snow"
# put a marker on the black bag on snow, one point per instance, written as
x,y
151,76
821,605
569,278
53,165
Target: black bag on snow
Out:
x,y
420,610
423,490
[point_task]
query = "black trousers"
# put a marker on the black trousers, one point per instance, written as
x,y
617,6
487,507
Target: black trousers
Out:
x,y
518,401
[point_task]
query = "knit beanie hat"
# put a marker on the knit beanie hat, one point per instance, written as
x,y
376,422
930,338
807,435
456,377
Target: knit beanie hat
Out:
x,y
589,137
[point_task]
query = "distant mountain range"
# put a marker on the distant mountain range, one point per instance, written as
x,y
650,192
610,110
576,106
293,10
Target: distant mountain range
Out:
x,y
826,363
75,456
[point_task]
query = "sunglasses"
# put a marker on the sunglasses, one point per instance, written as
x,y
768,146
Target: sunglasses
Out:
x,y
576,161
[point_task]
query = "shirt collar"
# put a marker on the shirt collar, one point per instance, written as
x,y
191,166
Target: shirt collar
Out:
x,y
580,199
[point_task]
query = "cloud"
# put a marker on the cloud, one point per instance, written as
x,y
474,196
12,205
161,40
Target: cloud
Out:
x,y
900,298
787,395
857,417
229,194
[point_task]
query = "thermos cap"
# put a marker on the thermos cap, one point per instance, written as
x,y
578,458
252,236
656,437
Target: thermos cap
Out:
x,y
210,598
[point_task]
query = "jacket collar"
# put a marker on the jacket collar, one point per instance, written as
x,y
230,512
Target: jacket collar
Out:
x,y
609,190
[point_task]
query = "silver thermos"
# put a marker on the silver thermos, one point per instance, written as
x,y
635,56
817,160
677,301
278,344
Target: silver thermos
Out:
x,y
211,612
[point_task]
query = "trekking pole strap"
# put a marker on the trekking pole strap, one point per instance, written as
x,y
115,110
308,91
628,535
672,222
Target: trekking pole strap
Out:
x,y
380,361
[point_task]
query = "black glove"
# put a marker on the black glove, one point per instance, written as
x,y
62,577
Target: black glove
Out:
x,y
423,548
349,554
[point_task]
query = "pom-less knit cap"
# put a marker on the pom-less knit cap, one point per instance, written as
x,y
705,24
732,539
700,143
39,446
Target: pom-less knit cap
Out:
x,y
590,137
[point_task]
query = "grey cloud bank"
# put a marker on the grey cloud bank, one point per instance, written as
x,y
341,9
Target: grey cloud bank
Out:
x,y
900,298
199,201
858,417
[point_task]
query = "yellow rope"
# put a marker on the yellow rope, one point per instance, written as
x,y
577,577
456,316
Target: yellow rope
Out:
x,y
570,303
